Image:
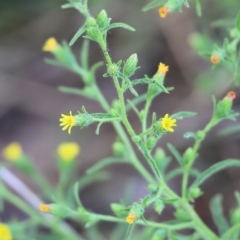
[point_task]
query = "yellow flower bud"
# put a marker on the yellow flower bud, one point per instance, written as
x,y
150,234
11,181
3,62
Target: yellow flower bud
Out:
x,y
5,232
68,151
50,45
12,152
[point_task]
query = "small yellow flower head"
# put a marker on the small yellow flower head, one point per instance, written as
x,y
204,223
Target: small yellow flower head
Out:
x,y
215,59
44,208
131,218
50,45
163,11
12,152
67,122
167,123
5,232
68,151
162,69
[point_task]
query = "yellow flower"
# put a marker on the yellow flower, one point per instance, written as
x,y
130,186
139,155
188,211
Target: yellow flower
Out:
x,y
5,232
131,218
163,11
67,122
162,68
12,152
44,208
50,45
167,123
68,151
215,59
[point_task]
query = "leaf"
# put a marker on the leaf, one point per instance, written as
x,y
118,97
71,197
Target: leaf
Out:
x,y
98,128
156,3
214,169
67,5
169,200
237,22
145,201
175,153
181,115
198,8
103,163
228,131
121,25
77,35
179,171
190,135
84,54
217,214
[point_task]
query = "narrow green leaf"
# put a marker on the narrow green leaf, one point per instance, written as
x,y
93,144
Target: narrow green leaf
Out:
x,y
156,3
76,194
237,195
77,35
67,5
175,153
103,163
145,201
198,8
181,115
169,200
98,128
121,25
190,135
84,54
228,131
238,21
214,169
71,90
217,214
179,171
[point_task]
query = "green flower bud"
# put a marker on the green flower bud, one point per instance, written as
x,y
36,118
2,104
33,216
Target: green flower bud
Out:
x,y
188,154
153,187
234,33
56,209
136,139
91,22
159,206
200,135
151,141
118,210
102,19
159,234
83,119
118,148
89,92
194,193
131,65
181,215
224,107
92,33
113,70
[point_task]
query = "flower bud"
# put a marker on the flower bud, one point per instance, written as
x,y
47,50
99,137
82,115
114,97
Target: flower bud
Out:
x,y
131,65
181,215
136,139
135,213
159,206
151,141
188,154
102,19
113,69
194,193
55,209
224,107
118,148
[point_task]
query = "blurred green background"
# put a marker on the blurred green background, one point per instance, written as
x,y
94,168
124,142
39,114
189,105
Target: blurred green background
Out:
x,y
30,104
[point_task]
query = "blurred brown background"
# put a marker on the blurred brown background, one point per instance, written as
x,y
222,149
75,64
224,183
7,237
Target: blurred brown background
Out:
x,y
30,104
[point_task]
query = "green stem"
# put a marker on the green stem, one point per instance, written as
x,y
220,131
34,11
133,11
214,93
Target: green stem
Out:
x,y
119,129
195,148
227,235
